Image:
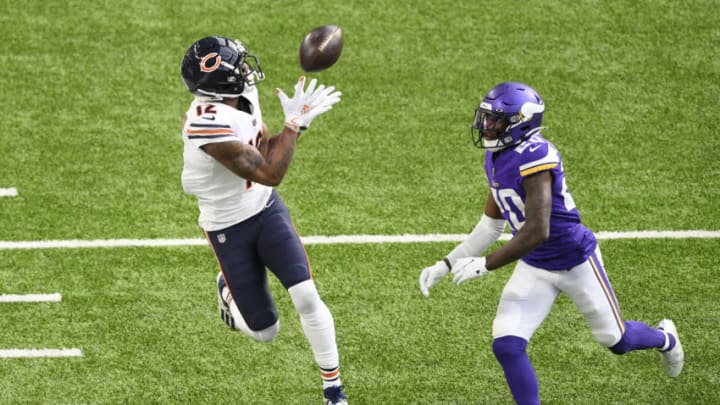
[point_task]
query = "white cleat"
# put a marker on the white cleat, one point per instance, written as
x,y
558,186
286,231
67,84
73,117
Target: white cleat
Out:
x,y
672,359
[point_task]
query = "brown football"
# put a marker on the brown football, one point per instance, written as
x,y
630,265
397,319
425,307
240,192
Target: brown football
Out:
x,y
321,48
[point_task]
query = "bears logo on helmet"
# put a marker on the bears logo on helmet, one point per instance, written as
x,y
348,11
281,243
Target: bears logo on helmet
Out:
x,y
204,62
219,67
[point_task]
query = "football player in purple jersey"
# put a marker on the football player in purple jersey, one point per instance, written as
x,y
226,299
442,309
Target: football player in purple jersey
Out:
x,y
231,165
555,252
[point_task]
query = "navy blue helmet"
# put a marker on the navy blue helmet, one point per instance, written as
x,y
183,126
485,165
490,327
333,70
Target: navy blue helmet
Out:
x,y
219,67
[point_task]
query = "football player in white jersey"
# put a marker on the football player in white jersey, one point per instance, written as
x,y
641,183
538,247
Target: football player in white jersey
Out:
x,y
555,251
231,165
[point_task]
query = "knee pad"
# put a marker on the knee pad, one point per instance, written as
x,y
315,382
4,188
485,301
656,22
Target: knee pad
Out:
x,y
305,297
262,325
509,346
258,329
607,332
608,340
262,319
268,334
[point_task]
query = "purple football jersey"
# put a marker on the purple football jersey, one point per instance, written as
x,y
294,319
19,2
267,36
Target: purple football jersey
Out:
x,y
570,242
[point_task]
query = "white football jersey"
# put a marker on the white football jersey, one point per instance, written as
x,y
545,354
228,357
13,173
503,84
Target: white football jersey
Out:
x,y
224,198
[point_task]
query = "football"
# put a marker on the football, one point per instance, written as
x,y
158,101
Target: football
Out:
x,y
321,48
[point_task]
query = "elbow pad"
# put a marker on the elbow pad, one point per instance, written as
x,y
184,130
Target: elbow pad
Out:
x,y
485,233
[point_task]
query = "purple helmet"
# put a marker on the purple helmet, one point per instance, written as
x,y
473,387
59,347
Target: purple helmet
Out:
x,y
509,114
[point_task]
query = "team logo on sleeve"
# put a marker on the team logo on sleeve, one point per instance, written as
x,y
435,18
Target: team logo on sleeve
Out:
x,y
211,57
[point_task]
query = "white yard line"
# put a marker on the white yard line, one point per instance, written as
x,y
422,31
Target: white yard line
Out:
x,y
8,192
35,353
12,298
310,240
338,239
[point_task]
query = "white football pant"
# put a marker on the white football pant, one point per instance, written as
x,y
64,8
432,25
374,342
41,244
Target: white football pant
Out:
x,y
530,293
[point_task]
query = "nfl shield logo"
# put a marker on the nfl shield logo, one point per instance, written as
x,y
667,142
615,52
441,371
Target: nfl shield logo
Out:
x,y
221,238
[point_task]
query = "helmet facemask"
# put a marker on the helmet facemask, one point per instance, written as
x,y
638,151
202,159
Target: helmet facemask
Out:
x,y
489,129
248,67
495,130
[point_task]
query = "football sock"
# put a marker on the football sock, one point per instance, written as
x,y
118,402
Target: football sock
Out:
x,y
639,336
317,323
669,342
519,372
330,376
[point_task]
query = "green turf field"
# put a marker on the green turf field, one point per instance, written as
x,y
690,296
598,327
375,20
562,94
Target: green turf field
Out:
x,y
92,110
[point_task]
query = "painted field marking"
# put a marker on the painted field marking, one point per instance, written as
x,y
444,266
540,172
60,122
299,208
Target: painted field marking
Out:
x,y
8,192
35,353
310,240
12,298
338,239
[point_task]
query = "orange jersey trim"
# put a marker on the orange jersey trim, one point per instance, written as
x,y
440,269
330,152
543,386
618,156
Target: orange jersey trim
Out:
x,y
210,131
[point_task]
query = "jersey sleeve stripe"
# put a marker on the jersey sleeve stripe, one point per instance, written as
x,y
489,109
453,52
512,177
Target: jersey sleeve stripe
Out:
x,y
196,125
209,136
214,131
533,170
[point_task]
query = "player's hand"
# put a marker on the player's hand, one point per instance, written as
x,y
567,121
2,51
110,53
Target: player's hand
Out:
x,y
467,268
306,104
431,275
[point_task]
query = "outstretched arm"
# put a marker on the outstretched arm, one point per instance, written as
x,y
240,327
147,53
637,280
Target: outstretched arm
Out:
x,y
268,163
265,165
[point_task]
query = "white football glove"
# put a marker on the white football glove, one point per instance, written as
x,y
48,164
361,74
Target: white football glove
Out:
x,y
305,105
467,268
431,275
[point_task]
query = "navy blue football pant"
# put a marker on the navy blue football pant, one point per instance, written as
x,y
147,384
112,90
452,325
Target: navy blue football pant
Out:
x,y
245,250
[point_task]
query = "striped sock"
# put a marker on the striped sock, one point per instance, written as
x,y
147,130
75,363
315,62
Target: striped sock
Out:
x,y
669,342
330,376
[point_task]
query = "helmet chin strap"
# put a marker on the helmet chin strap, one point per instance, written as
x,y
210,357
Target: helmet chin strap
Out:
x,y
207,96
494,145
